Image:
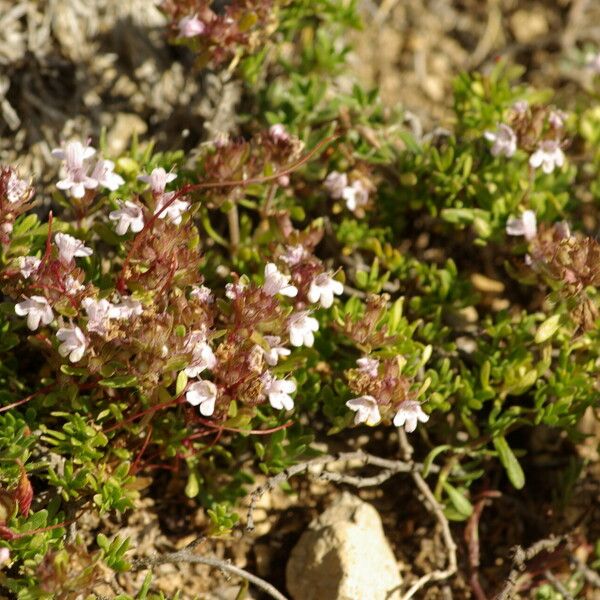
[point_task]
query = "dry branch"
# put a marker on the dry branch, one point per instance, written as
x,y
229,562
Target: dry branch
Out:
x,y
391,467
186,556
437,510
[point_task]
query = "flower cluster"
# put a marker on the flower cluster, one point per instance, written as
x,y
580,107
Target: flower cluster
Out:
x,y
157,322
15,196
383,392
229,160
80,177
538,130
217,35
354,192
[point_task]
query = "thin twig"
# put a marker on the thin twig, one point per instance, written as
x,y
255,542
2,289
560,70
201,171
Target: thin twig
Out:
x,y
589,574
391,467
437,510
560,588
520,557
185,556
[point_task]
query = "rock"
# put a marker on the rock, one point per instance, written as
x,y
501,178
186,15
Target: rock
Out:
x,y
344,555
230,592
125,125
527,25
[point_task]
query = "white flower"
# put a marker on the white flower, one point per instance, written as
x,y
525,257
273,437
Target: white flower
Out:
x,y
369,366
4,555
128,216
525,225
355,195
126,309
174,208
302,328
548,155
277,283
234,290
98,312
76,177
28,265
73,344
191,26
69,247
275,351
366,409
158,179
293,255
204,394
409,412
557,118
520,107
202,293
278,133
593,62
104,174
504,141
322,289
17,189
37,309
72,285
335,183
202,355
278,391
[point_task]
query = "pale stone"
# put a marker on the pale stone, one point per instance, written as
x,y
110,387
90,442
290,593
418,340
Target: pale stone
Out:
x,y
344,555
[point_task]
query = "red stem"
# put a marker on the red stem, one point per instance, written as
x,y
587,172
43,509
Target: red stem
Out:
x,y
207,185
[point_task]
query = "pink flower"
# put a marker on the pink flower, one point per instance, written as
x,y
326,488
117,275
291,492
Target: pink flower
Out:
x,y
37,309
202,355
275,351
278,391
70,247
174,209
504,141
323,288
191,26
234,290
158,179
28,265
202,293
278,133
104,174
369,366
549,155
277,283
128,216
293,255
74,155
17,190
98,312
525,225
302,327
335,183
204,394
355,195
409,413
366,409
73,344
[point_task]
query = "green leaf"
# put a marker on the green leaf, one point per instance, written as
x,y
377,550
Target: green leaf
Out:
x,y
547,329
509,462
432,456
121,381
181,383
458,500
